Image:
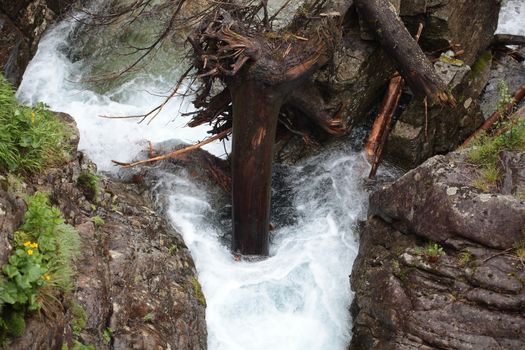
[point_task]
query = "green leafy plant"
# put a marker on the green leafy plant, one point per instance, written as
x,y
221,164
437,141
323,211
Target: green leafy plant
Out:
x,y
505,98
30,138
106,336
432,252
519,249
90,185
98,221
79,318
39,269
78,346
486,149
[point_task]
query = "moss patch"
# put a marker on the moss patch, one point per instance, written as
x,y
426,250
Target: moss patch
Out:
x,y
482,63
198,291
90,185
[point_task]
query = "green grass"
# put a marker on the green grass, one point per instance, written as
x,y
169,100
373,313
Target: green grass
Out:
x,y
30,138
486,149
39,270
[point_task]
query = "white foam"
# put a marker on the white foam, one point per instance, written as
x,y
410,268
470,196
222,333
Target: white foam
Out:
x,y
299,297
512,17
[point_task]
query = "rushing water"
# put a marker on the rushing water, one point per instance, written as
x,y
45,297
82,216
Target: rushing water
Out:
x,y
296,299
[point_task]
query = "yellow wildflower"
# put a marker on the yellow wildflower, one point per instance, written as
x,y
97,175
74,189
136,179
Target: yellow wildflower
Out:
x,y
33,115
34,245
27,244
30,251
46,277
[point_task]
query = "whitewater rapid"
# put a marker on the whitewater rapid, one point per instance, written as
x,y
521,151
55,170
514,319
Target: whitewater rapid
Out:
x,y
299,298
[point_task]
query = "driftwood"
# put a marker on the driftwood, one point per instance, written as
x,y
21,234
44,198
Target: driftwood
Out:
x,y
383,124
517,96
173,154
380,131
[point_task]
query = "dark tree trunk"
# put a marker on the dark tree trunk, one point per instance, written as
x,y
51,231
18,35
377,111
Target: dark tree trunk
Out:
x,y
256,109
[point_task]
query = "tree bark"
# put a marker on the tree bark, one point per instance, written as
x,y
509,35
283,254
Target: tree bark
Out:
x,y
409,59
256,109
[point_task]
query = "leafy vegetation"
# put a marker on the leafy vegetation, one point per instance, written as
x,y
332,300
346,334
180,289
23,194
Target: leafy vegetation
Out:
x,y
486,150
78,346
30,138
510,136
98,221
106,336
79,318
432,251
464,258
40,267
90,185
519,249
505,98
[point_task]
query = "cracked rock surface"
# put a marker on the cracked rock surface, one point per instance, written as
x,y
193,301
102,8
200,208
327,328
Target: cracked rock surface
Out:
x,y
473,295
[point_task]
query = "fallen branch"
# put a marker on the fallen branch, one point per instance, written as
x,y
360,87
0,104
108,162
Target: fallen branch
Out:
x,y
508,39
409,58
175,153
518,95
377,140
503,252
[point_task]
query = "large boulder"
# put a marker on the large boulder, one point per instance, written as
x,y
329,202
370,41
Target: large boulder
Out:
x,y
438,201
440,264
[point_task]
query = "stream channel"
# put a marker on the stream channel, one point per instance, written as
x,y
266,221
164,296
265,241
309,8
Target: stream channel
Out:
x,y
299,297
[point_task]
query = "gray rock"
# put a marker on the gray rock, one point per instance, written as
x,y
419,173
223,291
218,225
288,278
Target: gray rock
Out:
x,y
512,170
472,297
405,302
437,201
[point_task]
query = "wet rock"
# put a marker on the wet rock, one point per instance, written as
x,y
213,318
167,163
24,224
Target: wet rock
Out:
x,y
471,296
11,216
467,25
135,279
22,24
504,69
360,72
14,50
